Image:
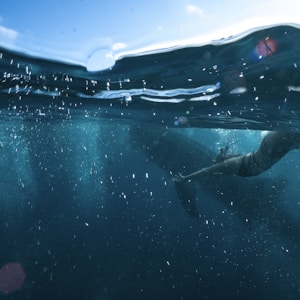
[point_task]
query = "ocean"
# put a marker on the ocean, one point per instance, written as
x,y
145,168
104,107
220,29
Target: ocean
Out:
x,y
87,202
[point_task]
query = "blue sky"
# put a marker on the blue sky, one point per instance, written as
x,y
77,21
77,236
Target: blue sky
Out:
x,y
95,32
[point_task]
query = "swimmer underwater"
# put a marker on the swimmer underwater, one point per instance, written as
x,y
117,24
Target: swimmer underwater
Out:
x,y
272,148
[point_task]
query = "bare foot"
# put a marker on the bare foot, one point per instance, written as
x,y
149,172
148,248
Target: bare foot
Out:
x,y
179,178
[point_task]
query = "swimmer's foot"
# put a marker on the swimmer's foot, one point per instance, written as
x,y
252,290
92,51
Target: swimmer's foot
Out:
x,y
179,178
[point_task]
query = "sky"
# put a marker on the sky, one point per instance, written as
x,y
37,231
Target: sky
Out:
x,y
95,33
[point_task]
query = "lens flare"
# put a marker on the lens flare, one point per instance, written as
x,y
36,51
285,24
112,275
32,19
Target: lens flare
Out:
x,y
265,47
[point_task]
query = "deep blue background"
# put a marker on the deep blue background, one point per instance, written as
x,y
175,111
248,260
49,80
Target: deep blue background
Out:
x,y
84,227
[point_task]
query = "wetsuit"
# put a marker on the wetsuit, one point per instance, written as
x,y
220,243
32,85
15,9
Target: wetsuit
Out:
x,y
273,147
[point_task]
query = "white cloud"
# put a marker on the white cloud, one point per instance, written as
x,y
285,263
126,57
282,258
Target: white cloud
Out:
x,y
8,33
192,9
118,46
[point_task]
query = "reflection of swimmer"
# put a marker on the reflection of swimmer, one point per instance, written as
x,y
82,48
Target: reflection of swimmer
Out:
x,y
272,148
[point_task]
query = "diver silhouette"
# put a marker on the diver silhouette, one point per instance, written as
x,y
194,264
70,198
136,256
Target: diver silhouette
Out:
x,y
272,148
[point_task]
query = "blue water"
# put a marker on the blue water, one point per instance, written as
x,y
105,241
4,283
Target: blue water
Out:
x,y
90,216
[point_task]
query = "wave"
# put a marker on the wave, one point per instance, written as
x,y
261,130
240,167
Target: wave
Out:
x,y
246,81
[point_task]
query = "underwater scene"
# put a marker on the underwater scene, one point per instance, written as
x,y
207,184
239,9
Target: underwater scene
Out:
x,y
98,193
